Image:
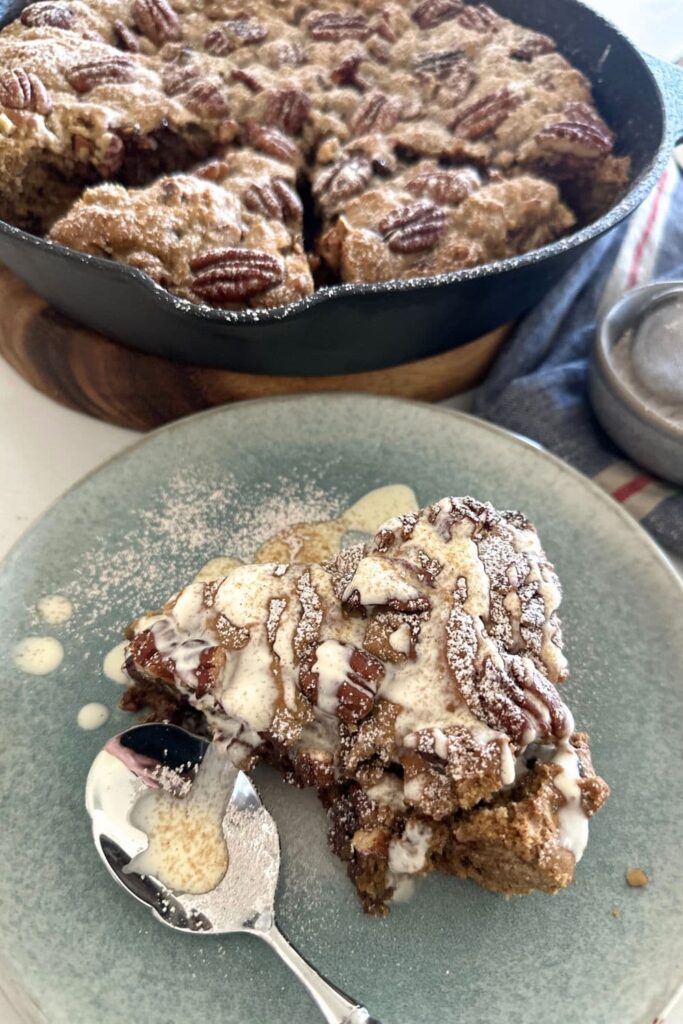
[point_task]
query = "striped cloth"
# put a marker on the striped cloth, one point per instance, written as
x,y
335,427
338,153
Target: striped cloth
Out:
x,y
538,385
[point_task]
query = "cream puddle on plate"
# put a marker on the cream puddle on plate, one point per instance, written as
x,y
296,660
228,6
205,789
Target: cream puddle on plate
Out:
x,y
38,655
183,822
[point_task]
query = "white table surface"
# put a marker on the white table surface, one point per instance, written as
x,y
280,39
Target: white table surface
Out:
x,y
44,448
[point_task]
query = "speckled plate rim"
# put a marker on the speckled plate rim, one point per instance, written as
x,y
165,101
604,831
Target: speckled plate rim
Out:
x,y
654,549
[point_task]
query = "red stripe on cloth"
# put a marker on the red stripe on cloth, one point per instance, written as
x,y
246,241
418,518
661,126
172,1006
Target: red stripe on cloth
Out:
x,y
647,231
632,487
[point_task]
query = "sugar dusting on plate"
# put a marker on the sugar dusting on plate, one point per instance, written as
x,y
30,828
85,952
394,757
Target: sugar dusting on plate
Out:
x,y
194,521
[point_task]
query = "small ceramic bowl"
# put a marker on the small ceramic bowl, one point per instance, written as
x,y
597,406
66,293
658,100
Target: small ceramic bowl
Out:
x,y
650,438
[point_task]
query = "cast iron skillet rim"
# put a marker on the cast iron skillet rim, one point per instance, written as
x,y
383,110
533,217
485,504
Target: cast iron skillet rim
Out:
x,y
627,204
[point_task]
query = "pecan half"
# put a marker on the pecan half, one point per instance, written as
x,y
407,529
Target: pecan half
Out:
x,y
22,90
157,20
276,198
375,113
575,138
533,44
433,12
346,72
440,63
350,684
84,77
444,185
413,228
177,79
480,18
125,38
213,170
246,78
271,141
207,99
47,15
335,26
233,275
343,179
234,33
290,54
581,113
581,133
287,109
485,115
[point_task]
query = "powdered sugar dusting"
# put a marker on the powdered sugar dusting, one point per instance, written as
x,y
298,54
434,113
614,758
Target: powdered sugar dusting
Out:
x,y
181,527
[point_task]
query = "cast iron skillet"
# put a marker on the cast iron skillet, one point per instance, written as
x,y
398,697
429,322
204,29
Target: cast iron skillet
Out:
x,y
351,328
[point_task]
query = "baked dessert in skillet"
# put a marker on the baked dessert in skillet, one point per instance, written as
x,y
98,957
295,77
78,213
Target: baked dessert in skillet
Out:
x,y
412,681
419,137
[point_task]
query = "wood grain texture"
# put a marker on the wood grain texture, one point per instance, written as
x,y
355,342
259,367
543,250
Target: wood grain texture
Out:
x,y
88,372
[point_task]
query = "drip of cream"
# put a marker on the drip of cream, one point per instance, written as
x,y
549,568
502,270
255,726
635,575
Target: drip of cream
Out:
x,y
187,849
378,581
92,716
38,655
332,666
112,666
571,816
408,855
55,609
399,640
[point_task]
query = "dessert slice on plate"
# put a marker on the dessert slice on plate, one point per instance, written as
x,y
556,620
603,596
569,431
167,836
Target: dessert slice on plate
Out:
x,y
411,681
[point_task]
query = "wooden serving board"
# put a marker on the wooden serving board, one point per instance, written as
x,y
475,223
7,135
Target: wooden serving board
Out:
x,y
90,373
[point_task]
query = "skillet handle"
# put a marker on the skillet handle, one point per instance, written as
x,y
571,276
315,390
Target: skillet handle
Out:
x,y
669,78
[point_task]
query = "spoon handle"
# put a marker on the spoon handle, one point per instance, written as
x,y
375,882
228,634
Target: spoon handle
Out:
x,y
335,1007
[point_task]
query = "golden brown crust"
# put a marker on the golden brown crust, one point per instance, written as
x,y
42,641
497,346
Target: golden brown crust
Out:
x,y
348,95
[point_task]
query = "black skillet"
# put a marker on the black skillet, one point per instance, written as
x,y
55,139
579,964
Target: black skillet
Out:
x,y
351,328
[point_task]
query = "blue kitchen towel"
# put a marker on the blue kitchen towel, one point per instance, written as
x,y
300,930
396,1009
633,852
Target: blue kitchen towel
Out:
x,y
538,385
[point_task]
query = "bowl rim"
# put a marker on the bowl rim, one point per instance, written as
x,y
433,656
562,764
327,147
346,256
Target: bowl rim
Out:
x,y
619,319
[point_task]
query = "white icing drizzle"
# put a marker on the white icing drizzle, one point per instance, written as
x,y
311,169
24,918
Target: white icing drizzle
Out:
x,y
112,666
187,849
572,819
400,639
332,666
408,854
55,609
186,654
38,655
388,792
92,716
508,764
377,581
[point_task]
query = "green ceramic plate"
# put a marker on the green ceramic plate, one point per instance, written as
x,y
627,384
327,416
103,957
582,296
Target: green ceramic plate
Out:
x,y
599,953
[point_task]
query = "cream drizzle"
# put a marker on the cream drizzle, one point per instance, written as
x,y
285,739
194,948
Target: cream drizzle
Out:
x,y
408,854
572,819
92,716
113,662
187,850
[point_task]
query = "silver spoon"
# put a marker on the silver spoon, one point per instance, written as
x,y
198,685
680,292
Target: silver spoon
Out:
x,y
244,899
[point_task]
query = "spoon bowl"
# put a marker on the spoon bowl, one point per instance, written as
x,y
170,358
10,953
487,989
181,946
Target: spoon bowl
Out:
x,y
157,756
